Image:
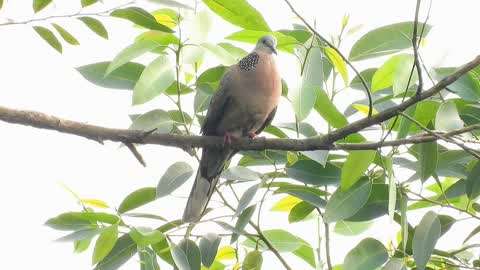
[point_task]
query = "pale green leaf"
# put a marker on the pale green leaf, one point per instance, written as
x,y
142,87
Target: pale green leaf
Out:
x,y
49,37
155,79
239,13
354,167
105,243
175,176
368,254
95,25
425,238
65,35
137,198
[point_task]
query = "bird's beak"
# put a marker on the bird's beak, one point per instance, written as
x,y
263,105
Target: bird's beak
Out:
x,y
274,50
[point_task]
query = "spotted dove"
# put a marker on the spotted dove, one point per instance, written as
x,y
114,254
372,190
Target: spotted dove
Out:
x,y
244,105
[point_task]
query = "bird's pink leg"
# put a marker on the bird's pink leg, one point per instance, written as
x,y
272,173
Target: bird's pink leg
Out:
x,y
227,138
252,135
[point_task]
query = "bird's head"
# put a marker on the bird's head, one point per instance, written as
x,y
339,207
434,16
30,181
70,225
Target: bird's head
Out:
x,y
267,44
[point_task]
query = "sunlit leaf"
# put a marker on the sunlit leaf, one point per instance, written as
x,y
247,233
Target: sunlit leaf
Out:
x,y
124,77
137,198
253,261
354,167
105,243
86,3
95,25
140,17
145,236
286,204
338,63
239,13
40,4
94,202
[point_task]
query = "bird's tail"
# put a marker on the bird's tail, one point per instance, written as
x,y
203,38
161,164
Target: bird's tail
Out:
x,y
199,197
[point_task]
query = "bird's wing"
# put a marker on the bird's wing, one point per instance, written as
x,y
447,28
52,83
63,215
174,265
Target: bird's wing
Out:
x,y
218,105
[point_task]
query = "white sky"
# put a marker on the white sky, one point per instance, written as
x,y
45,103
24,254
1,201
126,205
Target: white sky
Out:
x,y
34,162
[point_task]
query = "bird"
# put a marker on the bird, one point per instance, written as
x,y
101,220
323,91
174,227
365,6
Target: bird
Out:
x,y
244,104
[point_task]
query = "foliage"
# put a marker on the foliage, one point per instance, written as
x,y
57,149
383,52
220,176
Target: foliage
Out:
x,y
349,191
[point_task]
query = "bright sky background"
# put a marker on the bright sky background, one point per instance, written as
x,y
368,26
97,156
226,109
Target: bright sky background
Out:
x,y
35,162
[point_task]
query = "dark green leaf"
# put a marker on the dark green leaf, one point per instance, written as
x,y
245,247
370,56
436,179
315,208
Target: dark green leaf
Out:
x,y
310,172
1,4
300,211
95,25
123,250
368,254
239,13
376,205
242,221
86,3
105,243
253,261
344,204
137,198
175,176
66,35
40,4
191,253
49,37
124,77
354,167
425,238
473,182
428,158
385,40
208,248
140,17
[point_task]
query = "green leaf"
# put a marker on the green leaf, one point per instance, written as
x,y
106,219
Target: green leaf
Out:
x,y
86,3
467,86
282,240
49,37
472,233
344,204
163,251
395,264
186,255
311,195
80,246
137,198
155,79
376,205
131,52
368,254
385,40
105,243
124,77
140,17
300,211
303,100
473,182
338,63
305,252
428,158
123,250
156,119
348,228
1,4
286,204
236,52
367,75
80,220
175,176
284,42
172,3
146,236
95,25
241,173
239,13
242,221
253,261
447,118
246,198
220,53
208,248
310,172
40,4
425,238
148,260
65,34
356,164
395,73
80,235
328,111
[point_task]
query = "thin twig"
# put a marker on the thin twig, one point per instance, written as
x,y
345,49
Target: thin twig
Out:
x,y
327,240
415,49
329,44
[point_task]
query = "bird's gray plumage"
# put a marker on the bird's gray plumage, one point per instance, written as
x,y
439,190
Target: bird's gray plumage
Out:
x,y
245,103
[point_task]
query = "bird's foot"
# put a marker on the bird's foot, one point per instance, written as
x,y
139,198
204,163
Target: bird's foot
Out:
x,y
252,135
227,138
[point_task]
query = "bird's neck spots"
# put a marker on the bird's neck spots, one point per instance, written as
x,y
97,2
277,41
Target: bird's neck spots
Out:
x,y
249,62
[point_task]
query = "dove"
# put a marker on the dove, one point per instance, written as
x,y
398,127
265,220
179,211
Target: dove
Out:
x,y
243,106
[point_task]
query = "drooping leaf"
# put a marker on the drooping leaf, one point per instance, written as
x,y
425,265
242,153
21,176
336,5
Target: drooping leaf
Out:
x,y
80,246
428,158
105,243
148,259
137,198
208,248
242,221
191,253
65,34
155,79
447,118
310,172
124,77
473,182
338,63
303,100
253,261
40,4
300,211
475,231
123,250
175,176
140,17
344,204
49,37
246,198
95,25
239,13
157,119
305,252
425,238
368,254
385,40
376,205
86,3
354,167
